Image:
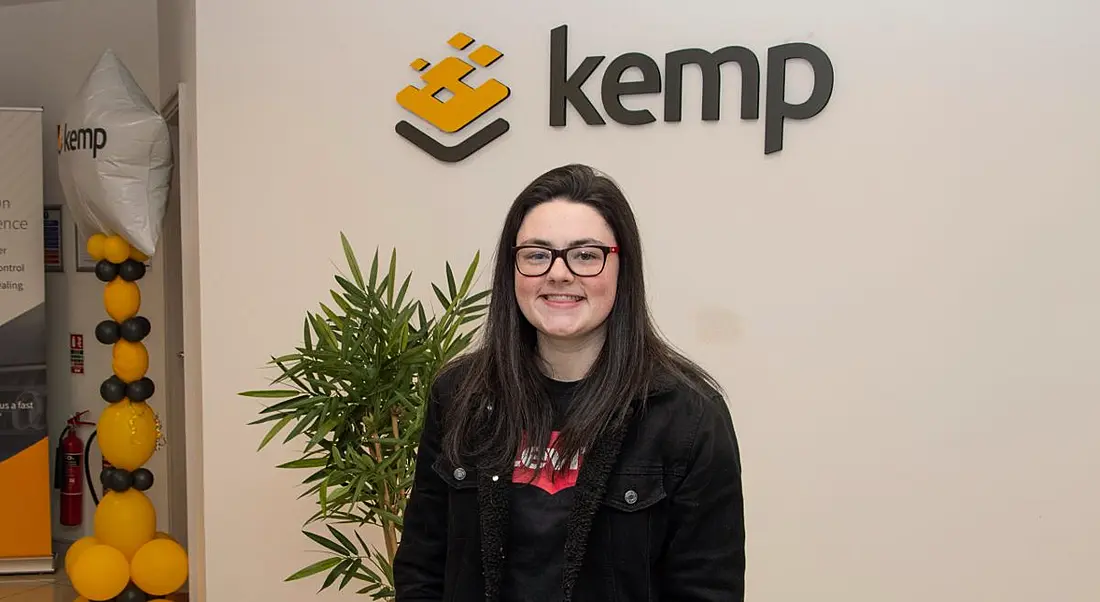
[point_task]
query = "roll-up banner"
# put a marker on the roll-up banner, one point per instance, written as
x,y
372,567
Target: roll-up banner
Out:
x,y
25,522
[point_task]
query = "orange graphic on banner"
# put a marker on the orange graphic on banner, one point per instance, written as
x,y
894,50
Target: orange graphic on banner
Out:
x,y
26,505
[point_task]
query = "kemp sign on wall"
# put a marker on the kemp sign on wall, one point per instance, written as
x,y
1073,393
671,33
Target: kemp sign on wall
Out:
x,y
443,104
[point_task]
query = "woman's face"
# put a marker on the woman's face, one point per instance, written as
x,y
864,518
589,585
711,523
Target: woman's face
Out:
x,y
560,304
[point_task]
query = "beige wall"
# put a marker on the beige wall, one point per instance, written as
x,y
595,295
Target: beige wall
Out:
x,y
47,50
902,303
170,43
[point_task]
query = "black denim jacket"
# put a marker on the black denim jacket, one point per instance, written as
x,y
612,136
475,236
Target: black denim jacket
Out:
x,y
659,513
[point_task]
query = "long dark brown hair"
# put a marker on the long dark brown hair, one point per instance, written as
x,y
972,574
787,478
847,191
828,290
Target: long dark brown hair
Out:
x,y
501,402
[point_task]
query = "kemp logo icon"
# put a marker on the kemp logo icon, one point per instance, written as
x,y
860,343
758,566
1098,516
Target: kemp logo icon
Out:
x,y
93,139
449,104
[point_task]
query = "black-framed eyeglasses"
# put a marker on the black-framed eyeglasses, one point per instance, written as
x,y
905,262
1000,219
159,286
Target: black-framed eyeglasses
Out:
x,y
584,261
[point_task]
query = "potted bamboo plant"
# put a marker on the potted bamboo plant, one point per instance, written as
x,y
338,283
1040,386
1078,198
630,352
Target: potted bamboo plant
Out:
x,y
355,394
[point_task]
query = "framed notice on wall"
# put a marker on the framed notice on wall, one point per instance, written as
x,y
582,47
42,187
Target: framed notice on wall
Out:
x,y
84,261
52,235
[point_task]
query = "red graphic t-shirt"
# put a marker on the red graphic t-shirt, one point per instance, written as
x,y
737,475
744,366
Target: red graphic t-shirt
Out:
x,y
540,506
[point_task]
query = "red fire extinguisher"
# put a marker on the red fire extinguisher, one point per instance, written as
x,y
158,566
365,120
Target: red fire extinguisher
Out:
x,y
69,471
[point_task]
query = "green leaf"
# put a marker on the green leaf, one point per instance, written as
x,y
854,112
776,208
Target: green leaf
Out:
x,y
302,425
306,336
451,281
274,431
446,303
271,394
474,298
355,569
468,279
332,316
327,543
316,567
370,588
291,404
362,544
336,573
322,431
373,271
341,302
304,463
404,289
324,332
350,547
353,263
391,279
269,418
388,516
288,373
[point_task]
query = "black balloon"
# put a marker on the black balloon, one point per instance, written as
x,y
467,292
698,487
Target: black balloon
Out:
x,y
132,593
140,390
135,329
117,479
107,332
143,479
113,389
105,270
131,270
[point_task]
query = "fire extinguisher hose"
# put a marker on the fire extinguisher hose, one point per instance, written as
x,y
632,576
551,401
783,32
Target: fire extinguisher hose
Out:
x,y
58,463
87,468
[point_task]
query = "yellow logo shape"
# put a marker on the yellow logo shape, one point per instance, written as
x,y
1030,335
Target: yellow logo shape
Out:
x,y
461,103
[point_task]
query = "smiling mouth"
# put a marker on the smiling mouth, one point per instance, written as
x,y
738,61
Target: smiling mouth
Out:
x,y
562,299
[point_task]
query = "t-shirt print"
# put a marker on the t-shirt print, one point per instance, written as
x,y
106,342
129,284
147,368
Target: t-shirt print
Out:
x,y
531,459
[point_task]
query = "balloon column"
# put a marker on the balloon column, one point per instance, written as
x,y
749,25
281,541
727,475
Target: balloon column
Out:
x,y
126,560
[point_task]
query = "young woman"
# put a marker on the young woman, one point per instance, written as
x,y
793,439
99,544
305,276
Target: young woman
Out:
x,y
574,456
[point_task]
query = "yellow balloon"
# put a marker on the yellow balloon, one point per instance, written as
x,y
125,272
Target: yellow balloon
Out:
x,y
95,246
159,567
138,255
127,434
125,521
75,550
129,360
116,249
122,299
100,573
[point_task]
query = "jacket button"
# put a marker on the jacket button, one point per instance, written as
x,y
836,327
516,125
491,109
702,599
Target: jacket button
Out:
x,y
631,496
460,473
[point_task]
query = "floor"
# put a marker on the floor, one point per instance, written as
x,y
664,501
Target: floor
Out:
x,y
43,588
35,588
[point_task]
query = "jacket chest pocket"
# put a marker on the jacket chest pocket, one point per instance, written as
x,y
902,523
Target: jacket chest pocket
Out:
x,y
632,493
632,519
462,502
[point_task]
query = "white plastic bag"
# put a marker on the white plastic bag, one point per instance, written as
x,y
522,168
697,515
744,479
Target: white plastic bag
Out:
x,y
115,157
